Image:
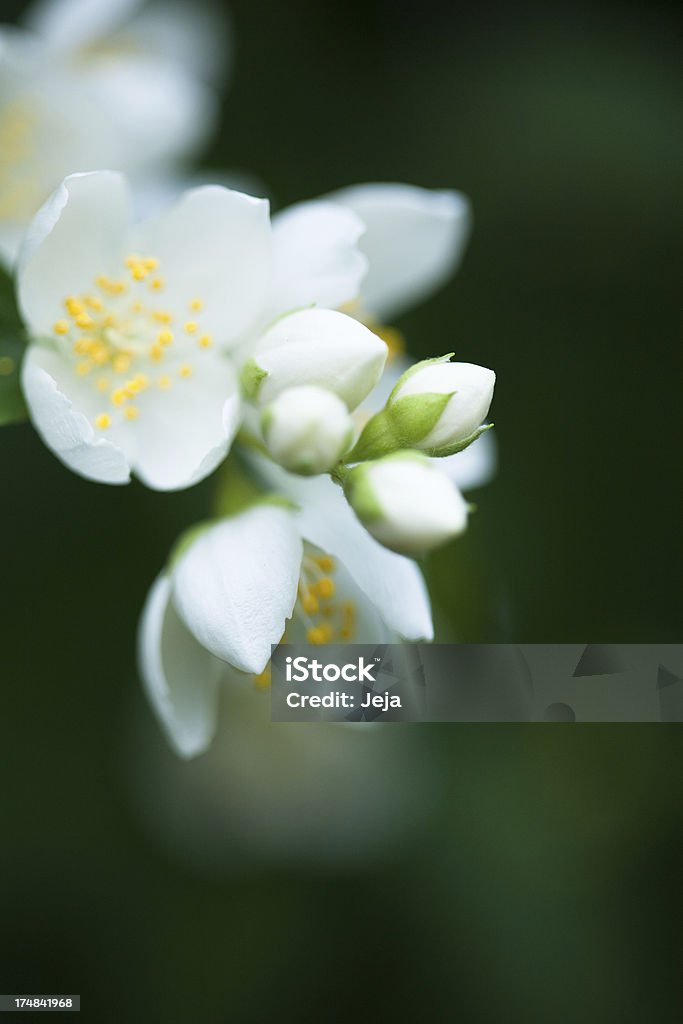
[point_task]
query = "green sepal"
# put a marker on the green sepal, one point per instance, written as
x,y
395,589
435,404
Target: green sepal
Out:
x,y
251,378
361,497
401,424
458,446
12,348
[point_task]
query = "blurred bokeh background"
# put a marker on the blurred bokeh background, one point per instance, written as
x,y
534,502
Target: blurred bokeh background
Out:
x,y
542,877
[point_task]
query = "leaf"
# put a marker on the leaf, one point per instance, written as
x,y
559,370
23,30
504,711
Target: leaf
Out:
x,y
12,346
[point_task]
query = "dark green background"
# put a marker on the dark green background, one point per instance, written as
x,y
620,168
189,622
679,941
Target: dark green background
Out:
x,y
546,885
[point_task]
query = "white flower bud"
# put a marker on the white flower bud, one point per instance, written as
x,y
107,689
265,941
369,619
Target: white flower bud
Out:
x,y
307,429
406,503
319,347
436,407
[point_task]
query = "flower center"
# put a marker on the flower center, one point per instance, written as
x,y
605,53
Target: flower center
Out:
x,y
326,618
125,342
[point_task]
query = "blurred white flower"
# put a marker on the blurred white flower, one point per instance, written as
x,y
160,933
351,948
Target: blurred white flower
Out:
x,y
307,430
130,326
242,584
413,240
100,83
406,503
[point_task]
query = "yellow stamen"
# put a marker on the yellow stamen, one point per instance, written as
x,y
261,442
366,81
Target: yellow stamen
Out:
x,y
121,363
165,337
83,368
325,588
156,353
206,341
185,371
164,383
119,397
190,327
157,284
162,317
310,604
103,421
325,563
102,384
61,327
196,305
131,412
84,320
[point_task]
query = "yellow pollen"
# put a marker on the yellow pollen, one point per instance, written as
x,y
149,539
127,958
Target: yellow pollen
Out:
x,y
206,341
109,320
83,368
310,604
73,306
93,302
137,307
100,353
346,632
119,397
190,327
150,263
162,317
156,353
132,261
61,327
164,383
82,346
316,635
102,384
185,371
325,588
121,363
325,563
84,320
6,366
139,272
196,305
165,337
157,284
131,412
103,421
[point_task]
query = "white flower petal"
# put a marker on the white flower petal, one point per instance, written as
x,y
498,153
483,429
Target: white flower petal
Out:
x,y
393,583
183,434
64,428
78,234
67,25
323,348
214,244
180,677
236,585
414,240
316,259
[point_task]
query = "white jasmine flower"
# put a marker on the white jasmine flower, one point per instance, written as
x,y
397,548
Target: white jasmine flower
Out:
x,y
436,407
406,503
94,83
124,372
261,576
129,326
307,430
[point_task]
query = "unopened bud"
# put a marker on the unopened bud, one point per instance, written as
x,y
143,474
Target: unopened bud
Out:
x,y
406,502
307,429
